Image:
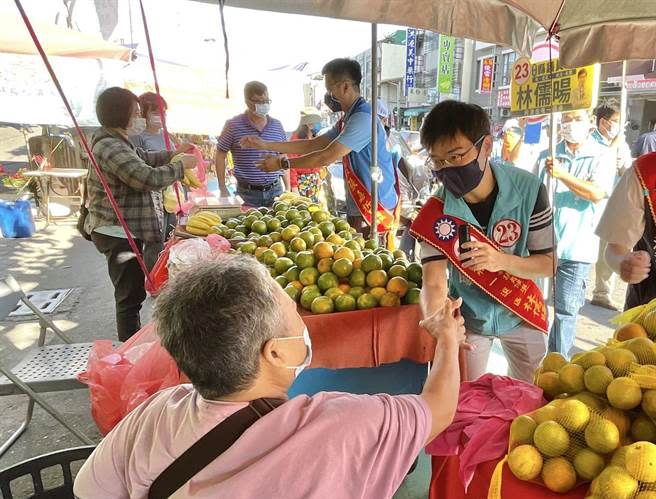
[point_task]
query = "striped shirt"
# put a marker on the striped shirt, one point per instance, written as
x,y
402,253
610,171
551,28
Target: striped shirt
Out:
x,y
244,159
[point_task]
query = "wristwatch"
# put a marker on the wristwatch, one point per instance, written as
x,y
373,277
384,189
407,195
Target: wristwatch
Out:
x,y
284,163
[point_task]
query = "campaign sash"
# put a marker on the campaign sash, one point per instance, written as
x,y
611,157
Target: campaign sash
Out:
x,y
645,169
521,296
385,218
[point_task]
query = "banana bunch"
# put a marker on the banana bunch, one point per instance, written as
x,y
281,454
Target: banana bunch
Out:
x,y
293,198
191,180
203,223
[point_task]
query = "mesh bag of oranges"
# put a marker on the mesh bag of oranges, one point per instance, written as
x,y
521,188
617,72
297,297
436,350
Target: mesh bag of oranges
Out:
x,y
598,425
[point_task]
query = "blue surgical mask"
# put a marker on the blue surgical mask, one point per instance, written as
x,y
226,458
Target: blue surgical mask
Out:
x,y
262,109
316,128
308,356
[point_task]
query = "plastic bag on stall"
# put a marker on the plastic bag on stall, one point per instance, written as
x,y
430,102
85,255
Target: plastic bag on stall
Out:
x,y
159,274
120,379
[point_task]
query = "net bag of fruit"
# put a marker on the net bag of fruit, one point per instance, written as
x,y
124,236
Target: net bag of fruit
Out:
x,y
602,407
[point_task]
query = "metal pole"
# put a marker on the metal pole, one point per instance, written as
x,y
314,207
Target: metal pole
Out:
x,y
374,130
624,101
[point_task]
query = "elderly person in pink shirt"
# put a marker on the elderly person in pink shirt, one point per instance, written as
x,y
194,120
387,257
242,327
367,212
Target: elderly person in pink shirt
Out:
x,y
238,337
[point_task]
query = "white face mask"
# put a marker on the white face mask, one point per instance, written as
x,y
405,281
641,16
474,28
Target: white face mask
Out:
x,y
262,109
613,130
136,126
308,356
156,120
575,132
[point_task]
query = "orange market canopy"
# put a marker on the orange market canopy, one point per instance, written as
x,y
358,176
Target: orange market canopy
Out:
x,y
590,31
57,41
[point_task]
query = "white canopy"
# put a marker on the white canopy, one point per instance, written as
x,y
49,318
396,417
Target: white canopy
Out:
x,y
590,30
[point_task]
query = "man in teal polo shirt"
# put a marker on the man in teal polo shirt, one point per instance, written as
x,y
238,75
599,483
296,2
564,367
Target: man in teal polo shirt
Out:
x,y
507,204
350,139
582,182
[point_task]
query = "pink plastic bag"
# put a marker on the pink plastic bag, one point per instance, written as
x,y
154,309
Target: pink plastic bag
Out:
x,y
479,431
120,379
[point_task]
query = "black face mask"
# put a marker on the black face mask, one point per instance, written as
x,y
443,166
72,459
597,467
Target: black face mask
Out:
x,y
460,180
332,103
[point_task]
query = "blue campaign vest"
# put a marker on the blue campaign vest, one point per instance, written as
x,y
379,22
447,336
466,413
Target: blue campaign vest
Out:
x,y
508,227
361,161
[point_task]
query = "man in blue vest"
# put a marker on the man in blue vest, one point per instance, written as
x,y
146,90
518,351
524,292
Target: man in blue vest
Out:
x,y
349,140
582,183
511,208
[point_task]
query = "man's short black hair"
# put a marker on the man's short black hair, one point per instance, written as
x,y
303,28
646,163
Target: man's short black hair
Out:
x,y
343,69
253,88
607,110
449,117
114,107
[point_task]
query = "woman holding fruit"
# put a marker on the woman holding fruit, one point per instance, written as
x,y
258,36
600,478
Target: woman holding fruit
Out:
x,y
132,175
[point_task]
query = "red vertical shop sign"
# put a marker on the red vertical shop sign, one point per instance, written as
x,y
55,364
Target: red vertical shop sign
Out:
x,y
486,75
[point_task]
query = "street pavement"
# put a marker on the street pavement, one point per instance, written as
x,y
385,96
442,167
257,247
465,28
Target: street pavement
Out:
x,y
57,257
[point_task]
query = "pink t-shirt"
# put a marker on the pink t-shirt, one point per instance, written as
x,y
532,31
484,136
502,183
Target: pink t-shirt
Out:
x,y
330,445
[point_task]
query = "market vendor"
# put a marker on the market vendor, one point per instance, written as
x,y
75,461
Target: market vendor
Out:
x,y
628,226
350,141
255,187
507,213
240,340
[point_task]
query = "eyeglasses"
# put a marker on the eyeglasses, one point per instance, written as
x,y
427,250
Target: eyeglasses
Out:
x,y
267,101
453,159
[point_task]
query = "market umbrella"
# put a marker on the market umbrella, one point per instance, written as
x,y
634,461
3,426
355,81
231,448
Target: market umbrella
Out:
x,y
590,31
56,40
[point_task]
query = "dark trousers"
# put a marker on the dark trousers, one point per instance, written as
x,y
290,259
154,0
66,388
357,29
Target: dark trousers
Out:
x,y
128,280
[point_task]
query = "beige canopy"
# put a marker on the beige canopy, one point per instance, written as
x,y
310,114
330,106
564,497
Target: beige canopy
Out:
x,y
590,30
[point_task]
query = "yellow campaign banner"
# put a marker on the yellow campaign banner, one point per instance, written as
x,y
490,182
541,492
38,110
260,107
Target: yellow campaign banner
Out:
x,y
545,87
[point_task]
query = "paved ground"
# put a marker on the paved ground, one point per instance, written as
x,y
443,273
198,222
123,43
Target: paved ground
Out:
x,y
56,257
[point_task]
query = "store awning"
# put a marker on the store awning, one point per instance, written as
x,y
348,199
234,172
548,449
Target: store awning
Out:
x,y
56,40
590,31
416,111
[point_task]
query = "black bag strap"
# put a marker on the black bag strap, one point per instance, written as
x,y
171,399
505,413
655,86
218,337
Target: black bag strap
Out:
x,y
209,447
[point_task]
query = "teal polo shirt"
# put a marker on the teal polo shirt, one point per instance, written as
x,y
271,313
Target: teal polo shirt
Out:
x,y
514,207
575,218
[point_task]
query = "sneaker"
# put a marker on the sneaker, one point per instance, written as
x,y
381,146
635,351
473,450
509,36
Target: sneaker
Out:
x,y
606,303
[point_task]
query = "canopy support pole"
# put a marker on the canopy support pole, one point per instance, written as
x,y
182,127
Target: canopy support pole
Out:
x,y
374,131
624,101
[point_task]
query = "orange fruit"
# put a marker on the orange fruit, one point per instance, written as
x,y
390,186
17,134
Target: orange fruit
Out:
x,y
322,305
323,249
376,278
357,263
325,265
345,252
366,301
333,293
389,300
378,292
371,263
297,284
342,267
398,285
630,331
347,287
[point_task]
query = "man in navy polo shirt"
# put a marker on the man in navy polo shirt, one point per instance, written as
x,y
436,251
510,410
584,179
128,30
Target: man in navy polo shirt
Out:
x,y
256,188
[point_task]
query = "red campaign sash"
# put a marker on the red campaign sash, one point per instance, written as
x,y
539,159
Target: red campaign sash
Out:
x,y
385,218
645,169
521,296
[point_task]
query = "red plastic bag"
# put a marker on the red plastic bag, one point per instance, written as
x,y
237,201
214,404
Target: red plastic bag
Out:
x,y
159,274
120,379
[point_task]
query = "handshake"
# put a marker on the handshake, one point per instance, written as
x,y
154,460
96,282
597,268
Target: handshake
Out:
x,y
447,324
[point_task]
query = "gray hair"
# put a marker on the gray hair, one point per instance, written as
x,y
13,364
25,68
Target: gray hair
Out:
x,y
214,317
